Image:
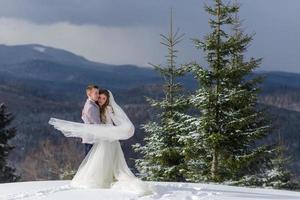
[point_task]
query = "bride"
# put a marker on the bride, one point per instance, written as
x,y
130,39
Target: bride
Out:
x,y
104,166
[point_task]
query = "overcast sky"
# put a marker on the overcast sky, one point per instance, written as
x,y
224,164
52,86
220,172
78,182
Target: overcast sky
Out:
x,y
127,31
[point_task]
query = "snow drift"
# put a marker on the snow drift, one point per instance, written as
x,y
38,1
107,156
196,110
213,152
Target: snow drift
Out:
x,y
59,190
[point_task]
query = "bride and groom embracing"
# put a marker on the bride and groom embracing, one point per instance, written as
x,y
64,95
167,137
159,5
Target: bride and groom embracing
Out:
x,y
105,123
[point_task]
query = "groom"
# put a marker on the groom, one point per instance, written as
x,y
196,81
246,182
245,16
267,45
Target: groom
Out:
x,y
91,110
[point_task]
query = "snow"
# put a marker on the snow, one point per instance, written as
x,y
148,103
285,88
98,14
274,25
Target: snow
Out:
x,y
40,49
60,190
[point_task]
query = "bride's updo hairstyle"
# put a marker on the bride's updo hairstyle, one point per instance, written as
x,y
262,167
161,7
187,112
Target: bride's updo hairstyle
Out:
x,y
104,106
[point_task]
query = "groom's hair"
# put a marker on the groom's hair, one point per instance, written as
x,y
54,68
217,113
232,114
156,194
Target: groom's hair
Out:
x,y
91,86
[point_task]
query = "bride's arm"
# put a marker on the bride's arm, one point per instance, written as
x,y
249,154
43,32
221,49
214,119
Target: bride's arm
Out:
x,y
112,116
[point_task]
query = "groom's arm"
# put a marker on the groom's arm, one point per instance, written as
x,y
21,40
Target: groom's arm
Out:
x,y
91,115
85,118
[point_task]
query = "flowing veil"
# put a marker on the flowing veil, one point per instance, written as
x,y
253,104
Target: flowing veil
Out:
x,y
92,133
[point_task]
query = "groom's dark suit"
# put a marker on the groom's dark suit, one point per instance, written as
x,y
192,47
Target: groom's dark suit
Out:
x,y
90,115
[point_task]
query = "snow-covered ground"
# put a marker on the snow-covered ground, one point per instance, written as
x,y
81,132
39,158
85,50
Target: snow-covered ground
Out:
x,y
59,190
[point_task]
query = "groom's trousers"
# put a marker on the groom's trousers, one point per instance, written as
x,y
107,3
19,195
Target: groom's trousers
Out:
x,y
87,148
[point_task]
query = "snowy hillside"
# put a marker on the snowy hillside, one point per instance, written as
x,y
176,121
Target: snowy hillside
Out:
x,y
59,190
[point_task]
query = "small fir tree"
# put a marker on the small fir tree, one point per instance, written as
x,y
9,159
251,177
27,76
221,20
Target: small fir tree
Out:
x,y
7,173
162,153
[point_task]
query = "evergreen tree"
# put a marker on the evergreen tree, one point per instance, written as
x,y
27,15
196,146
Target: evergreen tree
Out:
x,y
7,173
162,153
230,124
279,176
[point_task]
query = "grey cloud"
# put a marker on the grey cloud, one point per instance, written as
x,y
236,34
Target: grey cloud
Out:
x,y
276,23
101,12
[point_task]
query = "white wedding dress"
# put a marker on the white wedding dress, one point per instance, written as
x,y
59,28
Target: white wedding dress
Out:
x,y
104,166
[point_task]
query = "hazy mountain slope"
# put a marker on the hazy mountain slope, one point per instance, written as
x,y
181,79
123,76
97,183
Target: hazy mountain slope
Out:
x,y
37,82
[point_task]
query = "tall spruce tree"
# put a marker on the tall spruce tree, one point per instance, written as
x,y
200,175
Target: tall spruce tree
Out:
x,y
7,173
230,124
162,153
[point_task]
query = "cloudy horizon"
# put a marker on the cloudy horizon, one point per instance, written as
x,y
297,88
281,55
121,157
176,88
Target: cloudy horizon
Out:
x,y
127,32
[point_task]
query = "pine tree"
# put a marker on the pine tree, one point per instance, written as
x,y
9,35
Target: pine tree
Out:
x,y
279,176
7,173
162,153
230,123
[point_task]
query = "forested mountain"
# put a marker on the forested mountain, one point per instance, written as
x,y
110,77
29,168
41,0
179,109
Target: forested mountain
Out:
x,y
39,82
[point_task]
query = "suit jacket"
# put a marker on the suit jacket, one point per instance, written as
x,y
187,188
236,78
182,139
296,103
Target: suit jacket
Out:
x,y
91,112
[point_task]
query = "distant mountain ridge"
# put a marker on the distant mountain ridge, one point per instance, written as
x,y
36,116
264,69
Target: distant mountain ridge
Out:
x,y
38,62
22,53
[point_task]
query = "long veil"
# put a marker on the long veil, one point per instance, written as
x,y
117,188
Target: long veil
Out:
x,y
92,133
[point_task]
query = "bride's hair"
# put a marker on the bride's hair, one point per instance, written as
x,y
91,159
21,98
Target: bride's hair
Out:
x,y
104,106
